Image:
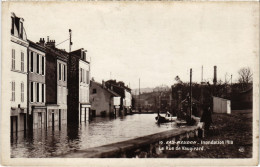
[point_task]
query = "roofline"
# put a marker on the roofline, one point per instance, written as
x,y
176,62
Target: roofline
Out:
x,y
108,90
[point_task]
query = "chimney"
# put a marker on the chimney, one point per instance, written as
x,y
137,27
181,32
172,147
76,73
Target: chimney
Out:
x,y
215,75
41,42
50,43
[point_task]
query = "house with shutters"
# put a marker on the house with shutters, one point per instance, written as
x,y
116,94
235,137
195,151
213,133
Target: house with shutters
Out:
x,y
78,85
18,75
36,86
56,84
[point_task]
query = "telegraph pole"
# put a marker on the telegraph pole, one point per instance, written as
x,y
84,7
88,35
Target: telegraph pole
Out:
x,y
201,74
190,93
70,32
231,79
139,97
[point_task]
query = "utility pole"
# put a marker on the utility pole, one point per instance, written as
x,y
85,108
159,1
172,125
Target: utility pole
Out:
x,y
190,93
139,97
70,32
201,74
231,79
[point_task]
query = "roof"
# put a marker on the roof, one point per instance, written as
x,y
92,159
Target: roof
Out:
x,y
36,46
108,90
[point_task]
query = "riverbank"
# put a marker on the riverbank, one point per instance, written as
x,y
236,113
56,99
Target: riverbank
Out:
x,y
235,128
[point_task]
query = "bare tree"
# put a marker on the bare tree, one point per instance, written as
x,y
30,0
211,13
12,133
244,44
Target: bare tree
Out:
x,y
245,76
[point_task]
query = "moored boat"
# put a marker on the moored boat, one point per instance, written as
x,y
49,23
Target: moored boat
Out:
x,y
167,118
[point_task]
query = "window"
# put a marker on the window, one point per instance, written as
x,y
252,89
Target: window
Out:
x,y
31,87
81,75
31,67
12,30
59,71
38,64
43,93
64,72
22,92
94,91
22,61
13,59
87,76
21,29
13,91
37,92
43,69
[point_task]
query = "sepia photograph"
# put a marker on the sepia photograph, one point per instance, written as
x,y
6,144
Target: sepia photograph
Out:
x,y
174,83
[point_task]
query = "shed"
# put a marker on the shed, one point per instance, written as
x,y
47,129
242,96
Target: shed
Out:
x,y
221,105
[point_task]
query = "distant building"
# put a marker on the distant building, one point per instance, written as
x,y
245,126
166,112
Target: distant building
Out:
x,y
78,85
125,94
56,85
18,75
36,86
104,102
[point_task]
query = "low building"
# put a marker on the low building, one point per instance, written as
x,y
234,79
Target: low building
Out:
x,y
104,102
36,86
18,75
78,85
125,94
221,105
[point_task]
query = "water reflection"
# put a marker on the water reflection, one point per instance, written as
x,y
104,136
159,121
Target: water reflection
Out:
x,y
100,131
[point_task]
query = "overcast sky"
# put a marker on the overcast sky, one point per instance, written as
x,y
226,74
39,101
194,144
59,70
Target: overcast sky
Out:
x,y
154,42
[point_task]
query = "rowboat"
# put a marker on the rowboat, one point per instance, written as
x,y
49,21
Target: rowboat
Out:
x,y
167,118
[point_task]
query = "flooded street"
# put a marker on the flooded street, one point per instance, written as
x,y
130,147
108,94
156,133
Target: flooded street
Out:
x,y
100,131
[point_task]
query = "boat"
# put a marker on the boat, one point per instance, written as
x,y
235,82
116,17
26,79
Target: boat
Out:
x,y
167,118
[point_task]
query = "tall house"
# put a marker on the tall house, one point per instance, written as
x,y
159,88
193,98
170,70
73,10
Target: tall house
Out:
x,y
56,85
18,75
36,86
78,85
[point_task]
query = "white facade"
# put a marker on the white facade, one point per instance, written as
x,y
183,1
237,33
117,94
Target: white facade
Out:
x,y
84,81
128,99
15,74
62,90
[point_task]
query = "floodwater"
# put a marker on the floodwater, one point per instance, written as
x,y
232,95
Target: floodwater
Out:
x,y
99,131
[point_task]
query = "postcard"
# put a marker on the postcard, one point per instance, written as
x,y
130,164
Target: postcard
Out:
x,y
122,83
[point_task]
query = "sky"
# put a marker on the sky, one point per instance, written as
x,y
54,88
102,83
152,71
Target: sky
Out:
x,y
151,41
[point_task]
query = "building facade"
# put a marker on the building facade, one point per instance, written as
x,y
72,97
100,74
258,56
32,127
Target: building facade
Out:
x,y
36,86
78,85
18,75
104,102
125,95
56,85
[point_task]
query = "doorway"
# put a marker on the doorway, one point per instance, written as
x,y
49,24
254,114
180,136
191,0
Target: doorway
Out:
x,y
52,115
59,118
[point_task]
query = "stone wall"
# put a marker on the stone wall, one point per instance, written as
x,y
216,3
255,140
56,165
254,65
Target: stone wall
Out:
x,y
142,147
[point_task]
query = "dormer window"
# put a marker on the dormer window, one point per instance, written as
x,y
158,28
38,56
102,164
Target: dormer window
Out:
x,y
12,30
21,30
